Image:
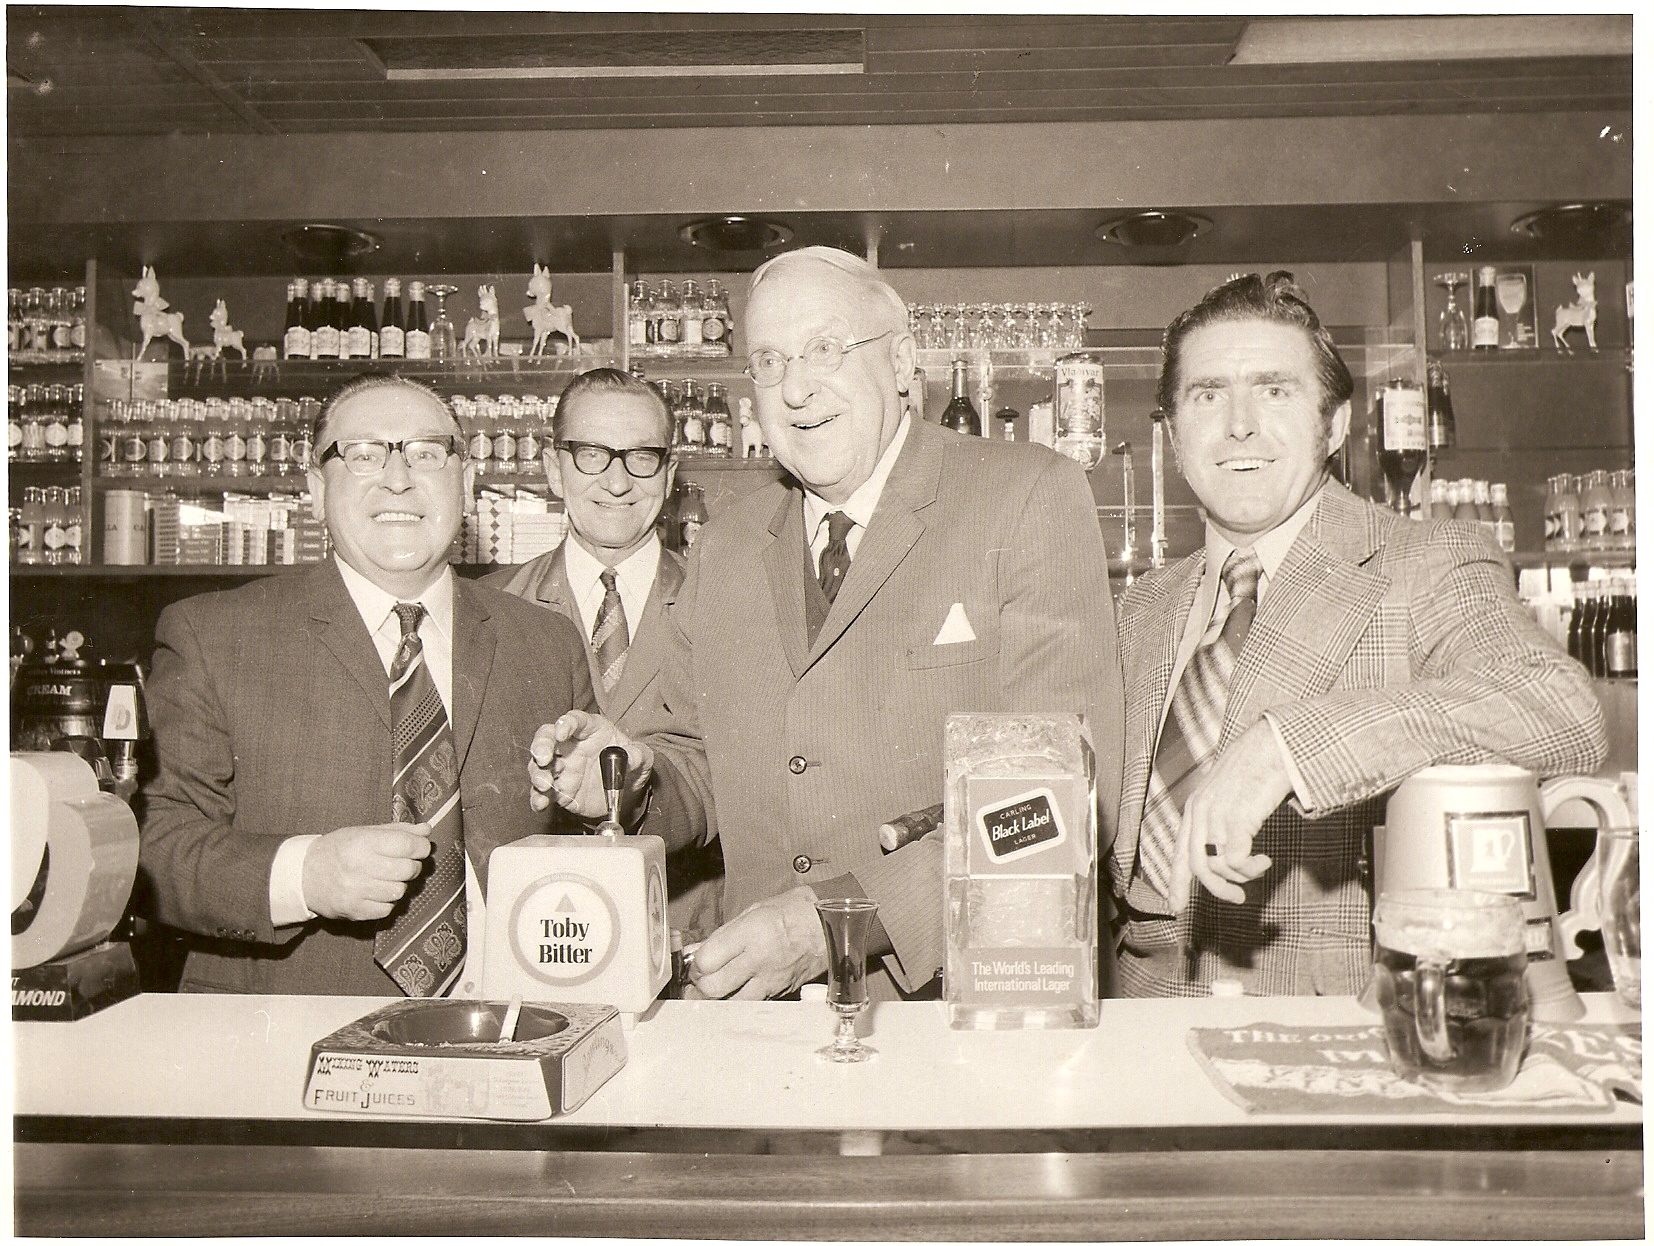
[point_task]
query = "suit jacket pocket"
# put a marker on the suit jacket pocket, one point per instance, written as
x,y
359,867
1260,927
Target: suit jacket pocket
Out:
x,y
926,656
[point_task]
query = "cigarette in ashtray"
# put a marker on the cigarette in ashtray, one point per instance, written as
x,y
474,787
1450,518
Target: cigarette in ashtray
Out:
x,y
508,1026
909,827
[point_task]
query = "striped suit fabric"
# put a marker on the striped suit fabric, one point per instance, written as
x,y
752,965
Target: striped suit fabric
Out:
x,y
1381,645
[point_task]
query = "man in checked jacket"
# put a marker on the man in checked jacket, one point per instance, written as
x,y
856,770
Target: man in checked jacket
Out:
x,y
1282,680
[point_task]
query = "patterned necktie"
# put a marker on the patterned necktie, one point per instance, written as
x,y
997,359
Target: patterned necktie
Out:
x,y
610,638
1192,728
423,949
835,559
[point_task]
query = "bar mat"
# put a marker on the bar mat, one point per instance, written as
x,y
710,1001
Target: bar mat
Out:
x,y
1306,1069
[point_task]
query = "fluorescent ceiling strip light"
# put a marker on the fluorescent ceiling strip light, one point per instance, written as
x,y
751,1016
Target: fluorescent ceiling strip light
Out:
x,y
621,71
1312,41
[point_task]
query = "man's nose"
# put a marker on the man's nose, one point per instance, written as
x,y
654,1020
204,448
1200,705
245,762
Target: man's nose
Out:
x,y
615,478
798,383
1243,417
396,475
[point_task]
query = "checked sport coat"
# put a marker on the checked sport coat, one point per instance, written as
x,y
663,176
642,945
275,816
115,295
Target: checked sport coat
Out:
x,y
1382,645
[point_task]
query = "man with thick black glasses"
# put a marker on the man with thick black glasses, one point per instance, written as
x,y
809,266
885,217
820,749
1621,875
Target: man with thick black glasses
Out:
x,y
609,460
341,748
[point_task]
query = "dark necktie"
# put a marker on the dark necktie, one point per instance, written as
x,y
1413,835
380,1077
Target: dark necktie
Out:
x,y
610,638
1193,725
835,559
423,949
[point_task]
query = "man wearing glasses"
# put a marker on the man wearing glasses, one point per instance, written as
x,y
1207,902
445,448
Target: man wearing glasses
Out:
x,y
609,461
340,748
829,623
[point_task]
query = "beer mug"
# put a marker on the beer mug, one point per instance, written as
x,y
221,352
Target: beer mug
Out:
x,y
1450,970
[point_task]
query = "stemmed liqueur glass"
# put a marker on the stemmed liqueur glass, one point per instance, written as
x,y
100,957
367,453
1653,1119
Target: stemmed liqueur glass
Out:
x,y
1453,329
845,922
444,342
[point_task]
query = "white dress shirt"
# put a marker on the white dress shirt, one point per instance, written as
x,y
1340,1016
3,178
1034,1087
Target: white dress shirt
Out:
x,y
1270,548
634,578
436,634
859,506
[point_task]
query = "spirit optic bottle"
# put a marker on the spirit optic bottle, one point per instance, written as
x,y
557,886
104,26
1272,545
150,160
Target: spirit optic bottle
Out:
x,y
960,414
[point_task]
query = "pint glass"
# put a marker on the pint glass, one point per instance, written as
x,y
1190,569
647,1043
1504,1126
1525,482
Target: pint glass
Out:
x,y
1450,975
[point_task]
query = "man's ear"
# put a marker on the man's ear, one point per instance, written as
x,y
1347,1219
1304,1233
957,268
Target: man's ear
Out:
x,y
554,471
318,495
902,360
1338,428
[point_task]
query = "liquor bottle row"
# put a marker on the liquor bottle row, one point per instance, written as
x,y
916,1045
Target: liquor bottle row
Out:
x,y
1594,511
328,319
187,437
704,426
506,434
1602,630
46,530
673,322
44,423
46,324
1478,502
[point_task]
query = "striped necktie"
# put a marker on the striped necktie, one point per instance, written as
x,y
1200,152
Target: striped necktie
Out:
x,y
423,949
1191,733
835,558
610,637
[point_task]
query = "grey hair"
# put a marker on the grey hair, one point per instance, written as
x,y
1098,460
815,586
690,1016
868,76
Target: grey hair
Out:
x,y
366,383
877,296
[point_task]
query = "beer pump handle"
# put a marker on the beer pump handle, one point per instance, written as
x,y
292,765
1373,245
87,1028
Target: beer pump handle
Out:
x,y
612,763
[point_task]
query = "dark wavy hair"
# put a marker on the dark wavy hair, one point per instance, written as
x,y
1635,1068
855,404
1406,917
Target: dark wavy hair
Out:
x,y
1275,298
610,381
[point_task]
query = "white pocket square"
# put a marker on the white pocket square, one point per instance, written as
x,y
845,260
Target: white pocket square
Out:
x,y
956,628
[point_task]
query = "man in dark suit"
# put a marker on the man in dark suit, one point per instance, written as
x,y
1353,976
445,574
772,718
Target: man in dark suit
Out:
x,y
1281,681
829,623
341,748
609,461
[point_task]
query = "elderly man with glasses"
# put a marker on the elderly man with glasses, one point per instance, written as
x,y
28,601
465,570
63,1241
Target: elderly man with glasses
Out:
x,y
610,462
829,623
341,748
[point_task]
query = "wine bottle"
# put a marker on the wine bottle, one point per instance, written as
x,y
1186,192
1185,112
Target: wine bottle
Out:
x,y
363,333
295,337
1620,636
960,413
1402,447
341,316
324,330
1443,434
1484,311
417,341
393,328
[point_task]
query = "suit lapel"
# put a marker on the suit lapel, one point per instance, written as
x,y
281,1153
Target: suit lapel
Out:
x,y
474,641
556,593
643,657
895,530
1148,654
781,563
1321,601
340,630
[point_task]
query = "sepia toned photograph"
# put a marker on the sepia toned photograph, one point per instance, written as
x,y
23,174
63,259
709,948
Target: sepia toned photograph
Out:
x,y
756,625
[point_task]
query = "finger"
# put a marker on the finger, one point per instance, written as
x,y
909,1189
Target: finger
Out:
x,y
540,779
544,745
370,910
691,991
752,988
574,725
1253,867
405,844
539,802
1182,879
386,891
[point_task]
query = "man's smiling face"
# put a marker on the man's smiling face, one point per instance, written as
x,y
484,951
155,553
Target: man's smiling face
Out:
x,y
828,430
1248,430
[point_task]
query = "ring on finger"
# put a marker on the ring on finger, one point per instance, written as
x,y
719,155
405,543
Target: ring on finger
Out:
x,y
1214,850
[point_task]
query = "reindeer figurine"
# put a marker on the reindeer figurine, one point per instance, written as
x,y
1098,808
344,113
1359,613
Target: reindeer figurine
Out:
x,y
545,317
1581,313
482,334
153,317
222,334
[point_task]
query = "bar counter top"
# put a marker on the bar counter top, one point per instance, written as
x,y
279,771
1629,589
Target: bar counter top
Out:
x,y
120,1115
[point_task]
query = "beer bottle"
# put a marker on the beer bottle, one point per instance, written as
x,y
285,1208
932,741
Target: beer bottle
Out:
x,y
1484,311
960,414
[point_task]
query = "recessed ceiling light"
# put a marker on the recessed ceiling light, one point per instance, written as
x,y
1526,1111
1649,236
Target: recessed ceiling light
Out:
x,y
1573,222
1152,228
329,244
735,233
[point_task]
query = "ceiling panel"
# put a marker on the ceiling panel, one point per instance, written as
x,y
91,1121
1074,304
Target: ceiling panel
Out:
x,y
87,71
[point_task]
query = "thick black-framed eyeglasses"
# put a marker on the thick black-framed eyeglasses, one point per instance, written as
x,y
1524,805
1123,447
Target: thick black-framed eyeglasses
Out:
x,y
368,458
593,459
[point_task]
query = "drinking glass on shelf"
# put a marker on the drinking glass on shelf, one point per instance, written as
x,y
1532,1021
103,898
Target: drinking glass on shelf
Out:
x,y
956,330
1452,326
845,922
444,342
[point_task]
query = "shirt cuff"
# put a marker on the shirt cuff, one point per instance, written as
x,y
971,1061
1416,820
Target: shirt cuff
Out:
x,y
287,906
843,887
1296,779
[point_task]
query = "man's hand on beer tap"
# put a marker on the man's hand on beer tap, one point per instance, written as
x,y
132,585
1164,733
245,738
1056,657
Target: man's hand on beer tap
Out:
x,y
562,765
771,948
